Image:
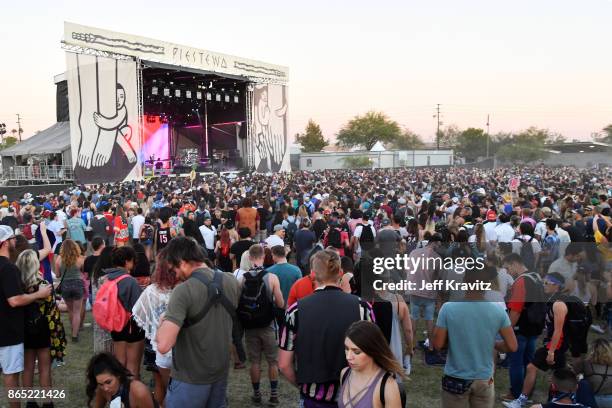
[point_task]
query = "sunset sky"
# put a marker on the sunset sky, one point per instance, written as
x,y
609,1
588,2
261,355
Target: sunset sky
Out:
x,y
538,63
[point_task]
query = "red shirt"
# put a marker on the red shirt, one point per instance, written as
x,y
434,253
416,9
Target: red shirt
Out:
x,y
516,302
301,288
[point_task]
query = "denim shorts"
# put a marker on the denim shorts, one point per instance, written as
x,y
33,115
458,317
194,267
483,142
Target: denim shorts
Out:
x,y
420,306
73,289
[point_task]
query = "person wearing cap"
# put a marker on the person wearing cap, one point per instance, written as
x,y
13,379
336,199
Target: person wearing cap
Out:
x,y
12,300
278,238
209,233
490,225
540,228
557,339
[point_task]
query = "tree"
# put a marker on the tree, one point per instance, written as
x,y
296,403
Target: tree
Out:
x,y
312,140
408,140
471,144
527,146
605,136
448,136
8,142
357,162
368,129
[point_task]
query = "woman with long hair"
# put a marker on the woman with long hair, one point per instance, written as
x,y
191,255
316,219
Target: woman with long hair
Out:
x,y
478,241
147,312
69,265
44,331
109,381
142,267
222,251
371,363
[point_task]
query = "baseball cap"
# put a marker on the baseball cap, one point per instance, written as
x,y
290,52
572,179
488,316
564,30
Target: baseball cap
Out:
x,y
455,200
6,233
491,215
278,227
385,222
402,201
578,211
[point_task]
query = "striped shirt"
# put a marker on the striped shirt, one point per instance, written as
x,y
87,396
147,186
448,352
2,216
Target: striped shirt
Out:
x,y
317,391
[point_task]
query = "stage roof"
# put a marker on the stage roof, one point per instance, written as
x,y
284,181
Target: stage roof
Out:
x,y
55,139
79,38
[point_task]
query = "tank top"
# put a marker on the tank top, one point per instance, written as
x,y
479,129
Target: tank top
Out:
x,y
71,273
363,398
163,237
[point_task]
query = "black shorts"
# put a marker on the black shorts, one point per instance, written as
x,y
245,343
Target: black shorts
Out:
x,y
73,289
539,359
131,333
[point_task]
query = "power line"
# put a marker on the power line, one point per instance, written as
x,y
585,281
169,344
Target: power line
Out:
x,y
19,129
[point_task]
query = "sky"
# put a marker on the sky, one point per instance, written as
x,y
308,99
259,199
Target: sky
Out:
x,y
543,63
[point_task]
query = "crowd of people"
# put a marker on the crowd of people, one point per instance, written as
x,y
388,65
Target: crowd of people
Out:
x,y
188,278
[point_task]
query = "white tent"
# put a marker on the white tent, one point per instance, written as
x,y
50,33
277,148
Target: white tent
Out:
x,y
378,147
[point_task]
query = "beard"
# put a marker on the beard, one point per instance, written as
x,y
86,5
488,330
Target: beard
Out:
x,y
13,254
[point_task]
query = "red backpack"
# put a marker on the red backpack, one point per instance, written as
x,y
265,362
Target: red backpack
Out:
x,y
108,311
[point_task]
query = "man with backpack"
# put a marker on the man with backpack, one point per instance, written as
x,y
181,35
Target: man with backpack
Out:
x,y
197,326
363,238
336,238
260,293
567,323
527,312
527,246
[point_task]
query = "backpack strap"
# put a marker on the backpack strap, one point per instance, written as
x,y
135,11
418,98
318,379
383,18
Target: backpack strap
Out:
x,y
215,295
383,382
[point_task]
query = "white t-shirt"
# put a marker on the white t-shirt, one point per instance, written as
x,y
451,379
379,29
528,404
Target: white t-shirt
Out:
x,y
358,231
209,236
56,227
274,240
137,223
517,244
505,232
490,233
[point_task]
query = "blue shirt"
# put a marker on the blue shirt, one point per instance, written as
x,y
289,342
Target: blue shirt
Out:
x,y
287,275
472,327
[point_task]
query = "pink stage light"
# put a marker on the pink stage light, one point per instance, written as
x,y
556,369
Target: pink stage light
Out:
x,y
155,138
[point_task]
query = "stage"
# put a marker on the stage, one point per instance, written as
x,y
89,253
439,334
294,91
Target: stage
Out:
x,y
141,107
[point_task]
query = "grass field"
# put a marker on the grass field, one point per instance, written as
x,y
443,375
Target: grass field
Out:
x,y
423,386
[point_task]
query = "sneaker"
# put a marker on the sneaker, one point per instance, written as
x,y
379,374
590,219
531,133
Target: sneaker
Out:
x,y
517,403
256,399
407,364
597,329
508,397
273,401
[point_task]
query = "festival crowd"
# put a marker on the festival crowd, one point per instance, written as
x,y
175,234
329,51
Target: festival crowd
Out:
x,y
190,279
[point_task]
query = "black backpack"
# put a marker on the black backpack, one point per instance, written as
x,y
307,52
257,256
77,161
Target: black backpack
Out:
x,y
366,239
255,307
577,321
533,317
290,231
334,238
527,254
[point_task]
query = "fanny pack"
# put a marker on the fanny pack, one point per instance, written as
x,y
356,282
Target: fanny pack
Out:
x,y
455,385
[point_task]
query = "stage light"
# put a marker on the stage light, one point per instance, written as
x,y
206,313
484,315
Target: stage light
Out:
x,y
210,84
177,93
188,94
166,92
208,96
227,98
236,99
154,90
198,95
218,97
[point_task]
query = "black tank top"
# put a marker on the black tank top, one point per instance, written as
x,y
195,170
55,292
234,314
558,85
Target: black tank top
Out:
x,y
163,237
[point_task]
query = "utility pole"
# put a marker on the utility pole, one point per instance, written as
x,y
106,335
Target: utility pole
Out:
x,y
19,129
488,136
437,115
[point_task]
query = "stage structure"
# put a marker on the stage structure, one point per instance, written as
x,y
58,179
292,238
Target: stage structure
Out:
x,y
137,105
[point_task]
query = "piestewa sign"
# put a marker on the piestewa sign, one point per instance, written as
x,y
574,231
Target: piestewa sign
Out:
x,y
173,54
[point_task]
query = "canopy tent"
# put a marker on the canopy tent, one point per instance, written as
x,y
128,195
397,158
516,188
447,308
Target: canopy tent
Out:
x,y
378,147
53,140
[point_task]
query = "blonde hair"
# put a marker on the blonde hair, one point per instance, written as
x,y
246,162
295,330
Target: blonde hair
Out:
x,y
29,265
326,266
601,352
69,253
